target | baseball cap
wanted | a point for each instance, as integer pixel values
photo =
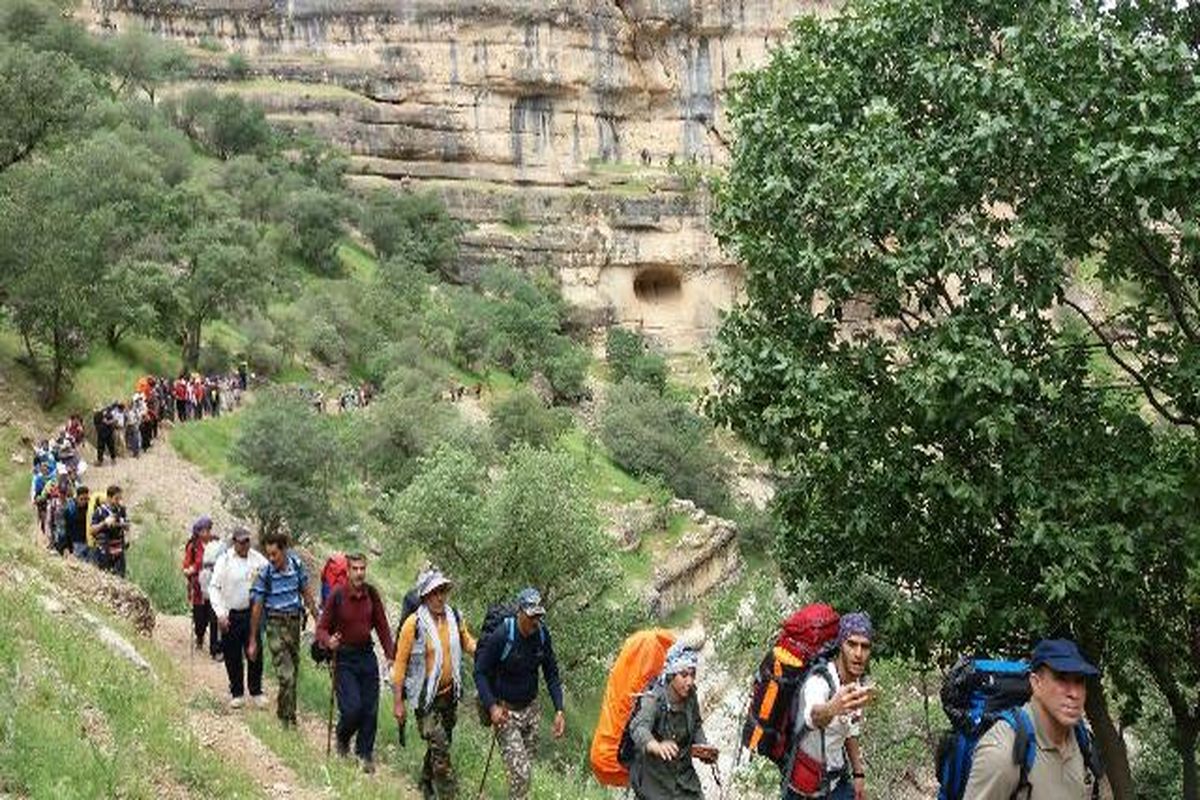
(241, 534)
(530, 601)
(1061, 655)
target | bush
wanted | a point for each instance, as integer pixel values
(214, 358)
(286, 466)
(315, 218)
(521, 418)
(567, 370)
(238, 66)
(649, 435)
(416, 226)
(629, 356)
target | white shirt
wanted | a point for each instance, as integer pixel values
(208, 560)
(816, 693)
(231, 581)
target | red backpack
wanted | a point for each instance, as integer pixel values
(335, 573)
(804, 638)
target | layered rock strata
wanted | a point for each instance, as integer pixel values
(569, 134)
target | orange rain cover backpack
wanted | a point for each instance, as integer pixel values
(641, 659)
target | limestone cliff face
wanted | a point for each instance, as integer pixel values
(563, 131)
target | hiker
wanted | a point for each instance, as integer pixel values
(109, 526)
(665, 729)
(75, 523)
(39, 497)
(347, 618)
(102, 421)
(203, 618)
(428, 671)
(229, 594)
(506, 678)
(833, 698)
(1058, 676)
(280, 593)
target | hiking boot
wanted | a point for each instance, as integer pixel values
(368, 766)
(343, 749)
(260, 700)
(237, 702)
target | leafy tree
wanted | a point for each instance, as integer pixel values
(630, 356)
(143, 62)
(651, 435)
(44, 95)
(1008, 191)
(133, 292)
(414, 226)
(63, 221)
(315, 218)
(521, 419)
(225, 125)
(286, 466)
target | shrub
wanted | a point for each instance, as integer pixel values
(629, 356)
(416, 226)
(521, 418)
(214, 358)
(238, 66)
(649, 434)
(315, 218)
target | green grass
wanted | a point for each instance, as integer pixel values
(609, 482)
(153, 562)
(360, 264)
(79, 722)
(208, 442)
(110, 374)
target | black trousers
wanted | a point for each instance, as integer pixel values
(357, 686)
(105, 442)
(203, 619)
(234, 647)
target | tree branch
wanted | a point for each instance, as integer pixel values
(1140, 379)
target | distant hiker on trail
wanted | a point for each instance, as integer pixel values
(1058, 677)
(506, 676)
(134, 415)
(667, 733)
(229, 593)
(347, 620)
(281, 592)
(39, 495)
(203, 618)
(75, 521)
(428, 671)
(243, 373)
(102, 421)
(832, 698)
(109, 526)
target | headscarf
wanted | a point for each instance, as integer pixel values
(201, 524)
(855, 624)
(680, 658)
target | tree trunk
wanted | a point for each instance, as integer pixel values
(1186, 735)
(191, 347)
(1111, 745)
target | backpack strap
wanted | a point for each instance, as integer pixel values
(1024, 749)
(1091, 756)
(510, 638)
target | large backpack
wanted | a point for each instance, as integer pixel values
(978, 693)
(501, 615)
(804, 640)
(335, 573)
(638, 664)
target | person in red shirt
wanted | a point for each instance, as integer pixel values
(193, 562)
(347, 619)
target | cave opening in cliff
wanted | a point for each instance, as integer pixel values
(657, 284)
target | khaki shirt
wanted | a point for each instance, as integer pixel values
(1056, 774)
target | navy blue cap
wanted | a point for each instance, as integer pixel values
(1061, 655)
(530, 601)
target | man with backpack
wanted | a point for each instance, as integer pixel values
(428, 671)
(832, 699)
(109, 526)
(229, 593)
(280, 593)
(667, 733)
(506, 676)
(347, 619)
(75, 516)
(1060, 764)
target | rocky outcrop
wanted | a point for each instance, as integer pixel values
(569, 134)
(704, 559)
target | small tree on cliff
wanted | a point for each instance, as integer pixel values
(1013, 192)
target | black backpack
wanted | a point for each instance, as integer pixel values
(497, 615)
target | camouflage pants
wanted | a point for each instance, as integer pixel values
(437, 729)
(518, 740)
(283, 637)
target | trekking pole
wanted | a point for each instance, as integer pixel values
(332, 684)
(487, 765)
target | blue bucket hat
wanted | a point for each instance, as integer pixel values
(1061, 655)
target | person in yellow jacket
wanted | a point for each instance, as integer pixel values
(428, 672)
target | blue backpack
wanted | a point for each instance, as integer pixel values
(978, 693)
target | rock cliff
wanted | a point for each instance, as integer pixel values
(570, 134)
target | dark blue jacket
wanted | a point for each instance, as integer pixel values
(514, 680)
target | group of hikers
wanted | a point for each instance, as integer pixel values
(1018, 727)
